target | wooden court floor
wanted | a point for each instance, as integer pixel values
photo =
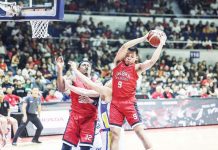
(191, 138)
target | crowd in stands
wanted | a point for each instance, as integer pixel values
(198, 36)
(179, 78)
(201, 8)
(119, 6)
(152, 7)
(27, 62)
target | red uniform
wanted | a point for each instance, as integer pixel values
(12, 99)
(123, 103)
(82, 121)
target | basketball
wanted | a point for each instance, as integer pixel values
(154, 38)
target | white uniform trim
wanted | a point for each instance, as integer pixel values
(137, 124)
(65, 142)
(114, 126)
(83, 144)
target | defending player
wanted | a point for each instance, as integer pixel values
(104, 105)
(84, 98)
(83, 117)
(125, 75)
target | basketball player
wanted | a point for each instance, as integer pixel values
(82, 122)
(84, 98)
(104, 104)
(125, 75)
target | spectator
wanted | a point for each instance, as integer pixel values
(3, 51)
(11, 98)
(3, 65)
(158, 94)
(204, 92)
(6, 83)
(207, 44)
(19, 76)
(39, 84)
(167, 93)
(19, 90)
(51, 97)
(28, 85)
(14, 62)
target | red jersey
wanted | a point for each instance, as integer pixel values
(82, 109)
(12, 99)
(124, 81)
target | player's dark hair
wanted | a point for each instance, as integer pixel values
(134, 49)
(83, 62)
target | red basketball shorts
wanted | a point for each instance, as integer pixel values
(119, 110)
(80, 129)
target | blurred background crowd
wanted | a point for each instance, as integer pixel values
(27, 62)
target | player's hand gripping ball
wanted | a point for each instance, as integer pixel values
(155, 37)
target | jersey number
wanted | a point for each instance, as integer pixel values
(120, 84)
(88, 137)
(135, 116)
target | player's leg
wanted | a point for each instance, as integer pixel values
(115, 137)
(97, 145)
(134, 119)
(87, 132)
(106, 139)
(140, 132)
(70, 138)
(116, 122)
(14, 124)
(3, 129)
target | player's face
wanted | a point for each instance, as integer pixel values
(130, 58)
(85, 68)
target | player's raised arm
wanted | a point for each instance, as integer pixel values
(124, 48)
(60, 80)
(94, 86)
(80, 91)
(149, 63)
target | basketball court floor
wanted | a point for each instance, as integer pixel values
(189, 138)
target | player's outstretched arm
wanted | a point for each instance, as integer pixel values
(124, 48)
(94, 86)
(149, 63)
(60, 80)
(81, 91)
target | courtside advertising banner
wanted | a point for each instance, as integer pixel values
(54, 122)
(178, 113)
